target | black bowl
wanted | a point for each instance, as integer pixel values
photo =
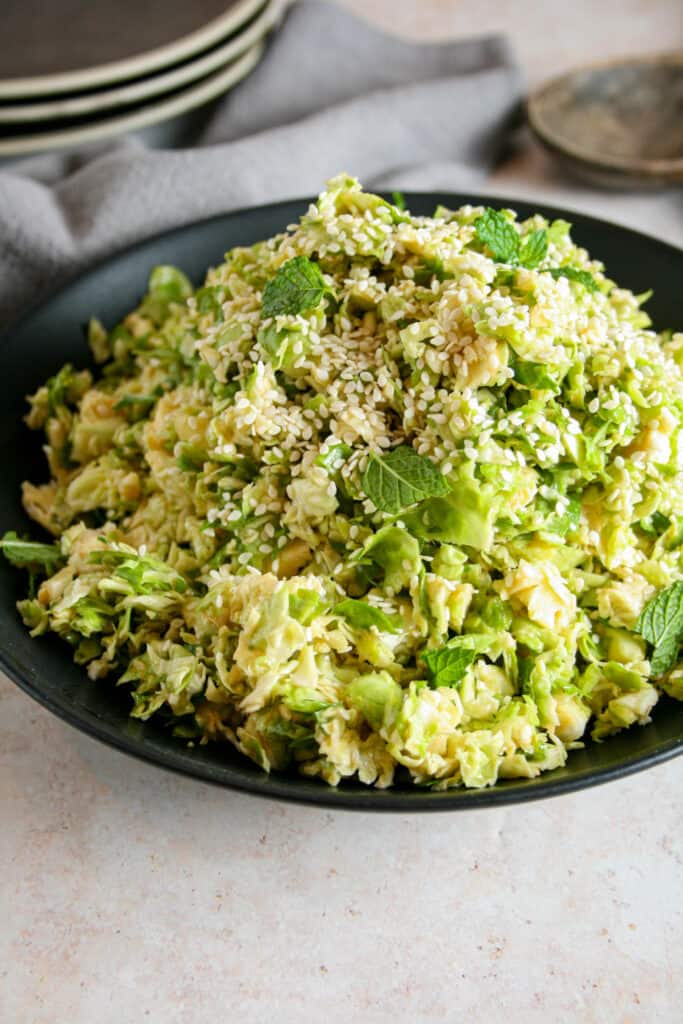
(43, 667)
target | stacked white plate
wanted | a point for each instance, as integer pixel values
(74, 72)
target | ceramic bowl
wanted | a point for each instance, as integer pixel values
(617, 124)
(43, 666)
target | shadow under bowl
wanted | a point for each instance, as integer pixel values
(618, 124)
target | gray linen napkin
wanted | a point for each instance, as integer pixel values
(331, 94)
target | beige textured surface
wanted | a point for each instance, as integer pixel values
(130, 895)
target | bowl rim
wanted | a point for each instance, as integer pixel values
(277, 786)
(284, 787)
(649, 168)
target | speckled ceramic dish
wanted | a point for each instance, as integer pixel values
(618, 124)
(49, 48)
(81, 132)
(123, 95)
(42, 667)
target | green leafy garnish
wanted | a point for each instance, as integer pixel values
(661, 624)
(534, 248)
(401, 478)
(504, 243)
(399, 200)
(29, 554)
(297, 286)
(447, 665)
(361, 615)
(582, 277)
(499, 236)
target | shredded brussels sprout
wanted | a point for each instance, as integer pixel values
(386, 493)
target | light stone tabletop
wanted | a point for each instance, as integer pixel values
(130, 895)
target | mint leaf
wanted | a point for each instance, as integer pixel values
(401, 478)
(534, 248)
(297, 286)
(661, 624)
(447, 665)
(499, 236)
(361, 615)
(28, 554)
(574, 274)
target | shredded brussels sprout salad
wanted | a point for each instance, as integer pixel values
(386, 494)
